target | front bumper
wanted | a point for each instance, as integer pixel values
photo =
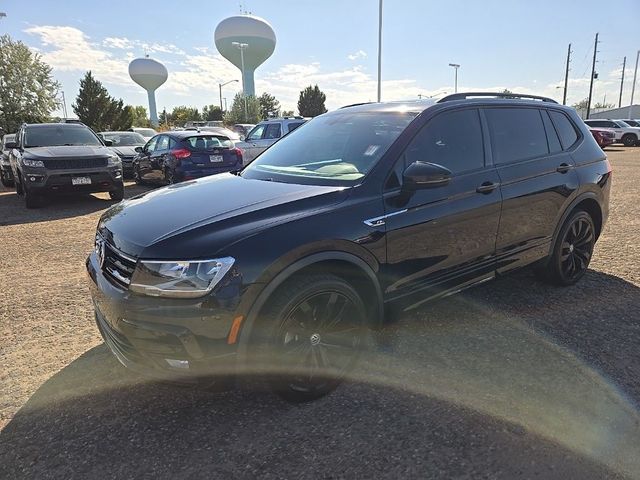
(177, 339)
(40, 180)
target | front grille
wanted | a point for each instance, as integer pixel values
(116, 267)
(69, 163)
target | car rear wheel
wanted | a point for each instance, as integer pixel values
(169, 176)
(136, 176)
(629, 140)
(6, 180)
(572, 251)
(117, 194)
(311, 336)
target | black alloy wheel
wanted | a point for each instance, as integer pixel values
(318, 333)
(629, 140)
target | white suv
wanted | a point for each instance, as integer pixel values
(265, 134)
(624, 132)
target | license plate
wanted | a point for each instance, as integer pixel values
(215, 158)
(81, 181)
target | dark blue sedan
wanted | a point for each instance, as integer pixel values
(172, 157)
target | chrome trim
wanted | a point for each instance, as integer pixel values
(380, 221)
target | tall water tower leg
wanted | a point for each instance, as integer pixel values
(153, 113)
(249, 85)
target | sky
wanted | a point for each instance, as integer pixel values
(519, 44)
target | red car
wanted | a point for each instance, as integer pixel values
(603, 137)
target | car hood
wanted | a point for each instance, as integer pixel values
(222, 207)
(78, 151)
(125, 151)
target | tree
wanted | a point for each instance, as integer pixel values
(184, 114)
(311, 102)
(140, 117)
(604, 105)
(287, 113)
(236, 113)
(211, 112)
(269, 106)
(27, 90)
(581, 105)
(99, 110)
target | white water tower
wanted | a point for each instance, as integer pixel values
(150, 75)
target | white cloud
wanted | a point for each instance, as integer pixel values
(116, 42)
(357, 55)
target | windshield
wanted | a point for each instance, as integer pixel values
(8, 138)
(57, 135)
(125, 139)
(330, 150)
(147, 132)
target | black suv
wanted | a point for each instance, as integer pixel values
(282, 268)
(62, 157)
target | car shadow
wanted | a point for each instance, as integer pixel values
(512, 379)
(56, 207)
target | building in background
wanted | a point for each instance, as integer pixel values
(632, 112)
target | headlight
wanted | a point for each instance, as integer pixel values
(33, 163)
(179, 279)
(114, 160)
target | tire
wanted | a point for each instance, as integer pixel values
(118, 194)
(629, 140)
(18, 182)
(7, 182)
(572, 251)
(31, 200)
(310, 337)
(169, 177)
(136, 176)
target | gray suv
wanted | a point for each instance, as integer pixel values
(265, 134)
(48, 158)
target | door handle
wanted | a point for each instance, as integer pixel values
(564, 168)
(487, 187)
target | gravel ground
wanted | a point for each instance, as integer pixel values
(513, 379)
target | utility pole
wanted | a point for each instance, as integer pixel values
(566, 76)
(624, 65)
(633, 88)
(593, 74)
(380, 51)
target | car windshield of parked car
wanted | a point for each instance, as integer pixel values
(147, 132)
(8, 139)
(330, 150)
(125, 139)
(208, 142)
(58, 135)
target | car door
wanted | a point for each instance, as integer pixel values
(442, 238)
(144, 159)
(251, 145)
(158, 157)
(537, 180)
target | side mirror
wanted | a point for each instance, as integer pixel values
(138, 149)
(420, 175)
(10, 145)
(108, 143)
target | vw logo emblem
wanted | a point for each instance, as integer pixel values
(100, 250)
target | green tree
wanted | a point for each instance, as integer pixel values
(269, 106)
(183, 114)
(311, 102)
(604, 105)
(140, 117)
(287, 113)
(99, 110)
(27, 90)
(211, 112)
(581, 105)
(236, 113)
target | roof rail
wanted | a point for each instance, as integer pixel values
(464, 96)
(356, 104)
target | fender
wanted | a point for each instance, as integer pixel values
(581, 197)
(280, 278)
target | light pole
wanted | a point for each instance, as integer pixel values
(633, 87)
(380, 51)
(220, 85)
(242, 47)
(455, 66)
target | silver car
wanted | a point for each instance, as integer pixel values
(265, 134)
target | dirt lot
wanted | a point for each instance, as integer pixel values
(511, 379)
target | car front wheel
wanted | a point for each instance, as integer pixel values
(7, 181)
(629, 140)
(311, 336)
(117, 194)
(30, 199)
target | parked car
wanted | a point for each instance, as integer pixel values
(176, 156)
(282, 269)
(146, 133)
(266, 133)
(123, 144)
(243, 129)
(6, 175)
(603, 137)
(625, 134)
(47, 158)
(632, 123)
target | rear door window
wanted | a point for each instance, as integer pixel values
(292, 126)
(516, 134)
(565, 128)
(272, 131)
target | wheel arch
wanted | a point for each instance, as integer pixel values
(588, 202)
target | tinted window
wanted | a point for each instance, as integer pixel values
(552, 135)
(452, 139)
(163, 143)
(632, 123)
(565, 128)
(516, 134)
(256, 133)
(292, 126)
(272, 131)
(55, 135)
(208, 142)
